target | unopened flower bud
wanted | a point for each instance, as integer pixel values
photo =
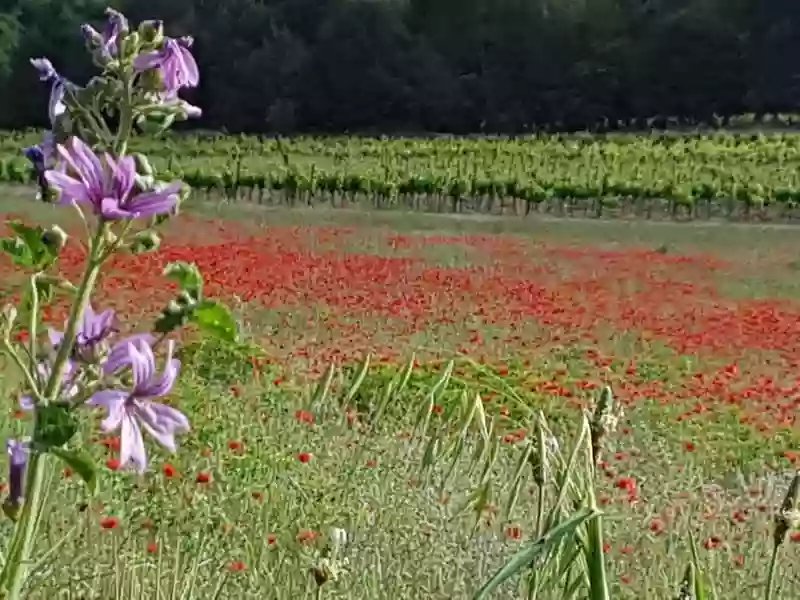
(109, 237)
(143, 166)
(17, 465)
(145, 241)
(92, 37)
(151, 32)
(186, 300)
(9, 317)
(117, 22)
(173, 308)
(55, 238)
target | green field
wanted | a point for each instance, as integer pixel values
(694, 328)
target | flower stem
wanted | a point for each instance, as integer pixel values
(773, 563)
(13, 575)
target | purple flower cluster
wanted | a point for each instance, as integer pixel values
(131, 409)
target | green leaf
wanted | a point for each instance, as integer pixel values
(187, 275)
(55, 426)
(216, 320)
(80, 462)
(29, 248)
(169, 321)
(526, 557)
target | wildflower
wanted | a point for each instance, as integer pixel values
(69, 388)
(175, 62)
(93, 333)
(237, 567)
(107, 42)
(657, 526)
(306, 536)
(109, 523)
(203, 477)
(170, 471)
(113, 464)
(514, 532)
(152, 548)
(272, 539)
(132, 409)
(17, 464)
(305, 457)
(58, 87)
(108, 189)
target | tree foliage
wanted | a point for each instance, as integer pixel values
(442, 65)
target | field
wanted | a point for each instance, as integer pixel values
(696, 328)
(720, 177)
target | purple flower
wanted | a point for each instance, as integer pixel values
(93, 333)
(108, 189)
(176, 63)
(132, 410)
(108, 41)
(18, 462)
(69, 389)
(58, 87)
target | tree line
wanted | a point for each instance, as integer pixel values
(460, 66)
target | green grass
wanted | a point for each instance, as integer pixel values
(415, 527)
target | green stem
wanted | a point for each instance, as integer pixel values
(34, 323)
(125, 119)
(773, 564)
(18, 557)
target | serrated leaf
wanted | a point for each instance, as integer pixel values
(215, 319)
(55, 426)
(187, 275)
(80, 462)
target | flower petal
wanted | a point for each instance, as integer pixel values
(152, 203)
(87, 165)
(132, 444)
(143, 364)
(70, 188)
(114, 402)
(123, 177)
(151, 60)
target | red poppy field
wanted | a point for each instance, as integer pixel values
(696, 330)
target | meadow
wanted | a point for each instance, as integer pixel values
(370, 335)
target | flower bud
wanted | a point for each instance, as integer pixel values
(17, 465)
(143, 166)
(55, 238)
(91, 36)
(109, 237)
(145, 241)
(9, 316)
(117, 22)
(151, 32)
(186, 300)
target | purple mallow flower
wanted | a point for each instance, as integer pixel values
(107, 188)
(176, 63)
(58, 87)
(18, 462)
(132, 410)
